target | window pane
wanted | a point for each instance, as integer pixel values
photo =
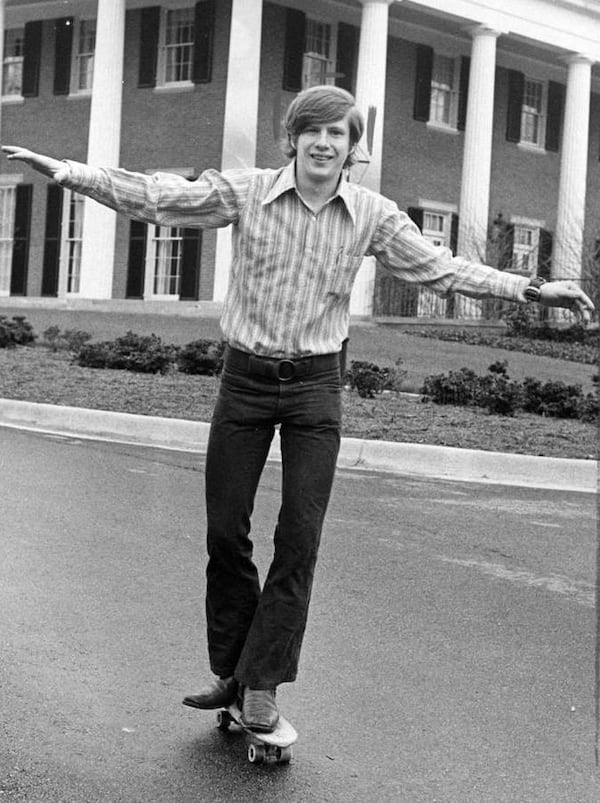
(531, 113)
(85, 54)
(318, 67)
(179, 44)
(7, 211)
(168, 246)
(73, 242)
(12, 68)
(442, 90)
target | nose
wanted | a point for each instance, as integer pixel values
(322, 139)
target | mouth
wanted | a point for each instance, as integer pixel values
(321, 157)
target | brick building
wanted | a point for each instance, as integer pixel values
(483, 122)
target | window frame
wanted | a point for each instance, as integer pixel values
(161, 54)
(542, 115)
(328, 75)
(76, 55)
(71, 244)
(13, 97)
(453, 92)
(155, 236)
(7, 238)
(531, 251)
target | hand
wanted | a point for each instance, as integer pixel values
(568, 294)
(43, 164)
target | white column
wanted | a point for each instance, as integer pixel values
(568, 245)
(370, 99)
(240, 129)
(477, 158)
(104, 140)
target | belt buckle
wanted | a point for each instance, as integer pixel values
(289, 370)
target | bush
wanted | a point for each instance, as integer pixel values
(69, 340)
(496, 393)
(202, 357)
(143, 354)
(15, 332)
(369, 379)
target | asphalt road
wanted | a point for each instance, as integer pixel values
(449, 655)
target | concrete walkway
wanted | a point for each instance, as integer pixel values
(401, 458)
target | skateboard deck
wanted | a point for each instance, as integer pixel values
(275, 747)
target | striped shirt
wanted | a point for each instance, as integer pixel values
(292, 270)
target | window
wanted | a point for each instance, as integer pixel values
(164, 261)
(525, 249)
(12, 68)
(437, 229)
(72, 240)
(83, 63)
(176, 52)
(532, 117)
(444, 93)
(7, 222)
(318, 64)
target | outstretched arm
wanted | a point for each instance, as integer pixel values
(43, 164)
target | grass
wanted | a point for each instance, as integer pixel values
(38, 375)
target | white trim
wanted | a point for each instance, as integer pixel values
(437, 206)
(532, 223)
(11, 179)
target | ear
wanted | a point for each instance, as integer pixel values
(293, 141)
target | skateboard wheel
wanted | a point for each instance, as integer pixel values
(285, 755)
(223, 720)
(256, 753)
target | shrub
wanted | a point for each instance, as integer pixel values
(143, 354)
(498, 394)
(69, 340)
(369, 379)
(202, 357)
(15, 332)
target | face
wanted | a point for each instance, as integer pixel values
(321, 151)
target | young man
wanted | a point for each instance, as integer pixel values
(299, 235)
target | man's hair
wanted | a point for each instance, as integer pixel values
(322, 104)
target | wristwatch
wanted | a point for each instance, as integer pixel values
(532, 291)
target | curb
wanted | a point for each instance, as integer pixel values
(420, 460)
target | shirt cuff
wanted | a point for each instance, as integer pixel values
(75, 175)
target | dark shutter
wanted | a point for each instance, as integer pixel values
(190, 264)
(424, 71)
(295, 26)
(149, 27)
(463, 92)
(32, 55)
(20, 254)
(203, 41)
(136, 260)
(556, 102)
(63, 45)
(454, 233)
(544, 268)
(415, 213)
(50, 267)
(347, 56)
(516, 88)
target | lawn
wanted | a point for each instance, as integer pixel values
(38, 375)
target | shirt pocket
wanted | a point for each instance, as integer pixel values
(346, 267)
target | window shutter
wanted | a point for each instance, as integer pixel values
(295, 26)
(203, 41)
(454, 233)
(136, 260)
(347, 56)
(149, 28)
(32, 54)
(422, 100)
(51, 261)
(415, 213)
(20, 254)
(516, 88)
(556, 102)
(190, 264)
(463, 92)
(63, 45)
(545, 254)
(506, 242)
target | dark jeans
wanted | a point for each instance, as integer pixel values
(256, 634)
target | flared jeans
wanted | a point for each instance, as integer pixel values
(256, 633)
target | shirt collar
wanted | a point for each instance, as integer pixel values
(286, 181)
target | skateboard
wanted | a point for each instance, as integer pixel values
(275, 747)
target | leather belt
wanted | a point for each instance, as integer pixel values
(283, 370)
